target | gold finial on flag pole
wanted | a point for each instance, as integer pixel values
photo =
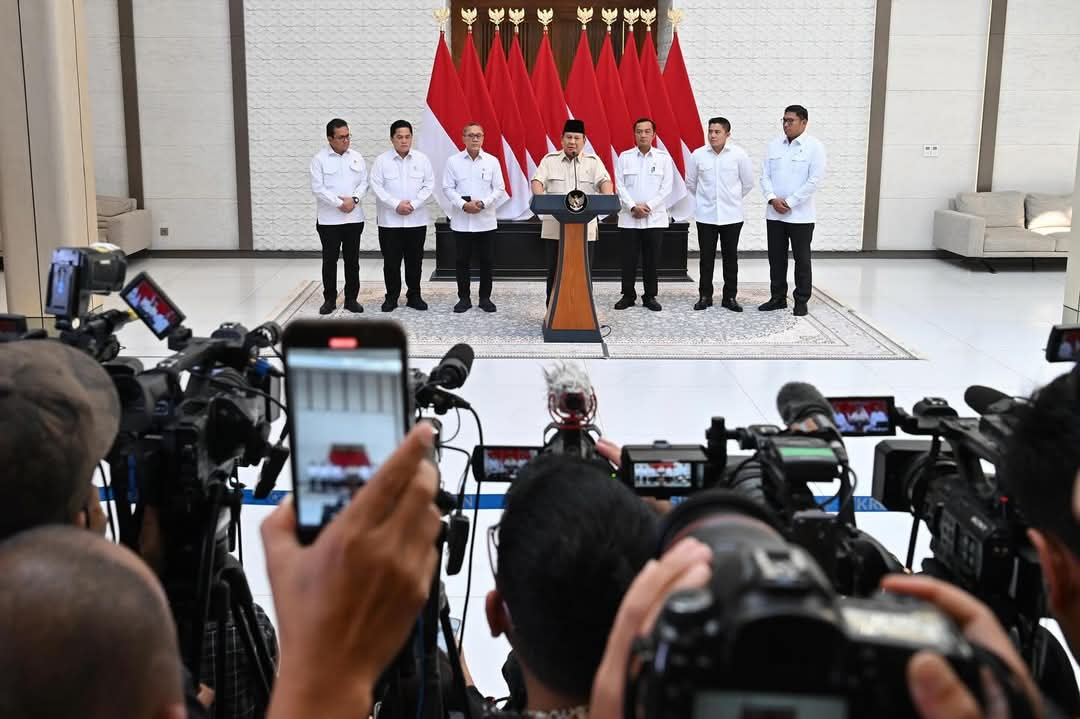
(469, 16)
(496, 16)
(441, 15)
(648, 17)
(675, 17)
(517, 17)
(610, 17)
(630, 17)
(584, 16)
(545, 17)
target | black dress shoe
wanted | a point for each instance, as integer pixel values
(624, 302)
(487, 305)
(702, 303)
(463, 305)
(800, 309)
(353, 306)
(651, 303)
(389, 305)
(776, 303)
(327, 307)
(731, 304)
(417, 303)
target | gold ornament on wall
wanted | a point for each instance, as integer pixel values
(517, 17)
(441, 15)
(630, 17)
(469, 16)
(610, 17)
(584, 16)
(648, 17)
(545, 17)
(496, 16)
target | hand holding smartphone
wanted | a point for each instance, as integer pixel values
(349, 408)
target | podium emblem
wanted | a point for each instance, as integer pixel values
(576, 201)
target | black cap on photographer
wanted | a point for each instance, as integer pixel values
(59, 415)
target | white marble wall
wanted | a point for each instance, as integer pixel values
(183, 61)
(749, 60)
(106, 98)
(937, 70)
(1039, 115)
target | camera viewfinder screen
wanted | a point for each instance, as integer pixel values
(502, 464)
(152, 306)
(760, 705)
(667, 475)
(864, 416)
(1068, 350)
(348, 416)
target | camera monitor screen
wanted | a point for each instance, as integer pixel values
(502, 464)
(761, 705)
(668, 475)
(348, 416)
(864, 416)
(1064, 344)
(152, 305)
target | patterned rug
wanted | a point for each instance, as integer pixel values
(830, 331)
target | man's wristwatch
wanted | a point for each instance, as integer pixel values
(480, 204)
(356, 200)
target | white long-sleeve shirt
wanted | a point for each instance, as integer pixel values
(395, 179)
(479, 179)
(334, 176)
(793, 171)
(719, 182)
(644, 179)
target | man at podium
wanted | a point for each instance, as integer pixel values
(560, 172)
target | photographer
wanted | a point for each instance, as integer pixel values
(61, 416)
(67, 601)
(568, 544)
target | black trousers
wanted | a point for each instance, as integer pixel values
(647, 244)
(343, 239)
(800, 235)
(397, 243)
(478, 245)
(553, 261)
(728, 235)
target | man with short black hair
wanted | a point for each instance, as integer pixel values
(719, 176)
(402, 179)
(791, 173)
(86, 629)
(339, 181)
(560, 574)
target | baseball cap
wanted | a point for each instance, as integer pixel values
(48, 388)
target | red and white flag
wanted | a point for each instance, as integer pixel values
(680, 202)
(682, 99)
(582, 97)
(620, 123)
(446, 112)
(637, 101)
(549, 94)
(501, 90)
(536, 139)
(483, 111)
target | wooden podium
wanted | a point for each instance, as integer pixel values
(571, 314)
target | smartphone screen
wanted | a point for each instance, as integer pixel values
(348, 412)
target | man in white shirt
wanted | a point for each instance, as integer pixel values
(719, 176)
(473, 186)
(643, 178)
(793, 169)
(402, 179)
(339, 181)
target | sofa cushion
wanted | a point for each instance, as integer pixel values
(1044, 210)
(999, 209)
(1062, 240)
(1016, 239)
(108, 206)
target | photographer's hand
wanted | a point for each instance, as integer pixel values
(935, 689)
(684, 566)
(346, 603)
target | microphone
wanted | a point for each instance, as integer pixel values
(267, 334)
(805, 409)
(987, 400)
(453, 369)
(271, 468)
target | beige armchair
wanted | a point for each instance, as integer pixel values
(120, 223)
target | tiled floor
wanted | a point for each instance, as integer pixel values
(973, 327)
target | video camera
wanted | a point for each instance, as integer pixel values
(769, 637)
